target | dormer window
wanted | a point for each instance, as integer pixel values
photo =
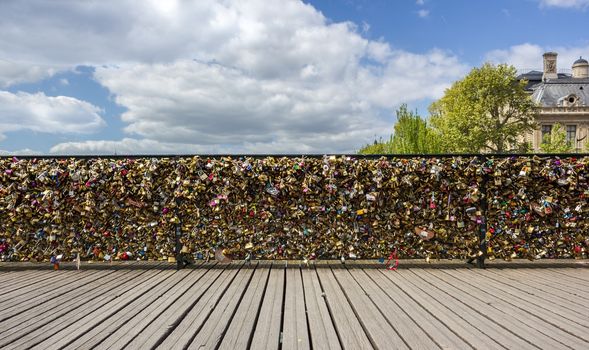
(569, 101)
(572, 99)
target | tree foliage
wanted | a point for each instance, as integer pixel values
(378, 147)
(411, 135)
(556, 141)
(487, 111)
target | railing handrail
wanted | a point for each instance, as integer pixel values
(292, 155)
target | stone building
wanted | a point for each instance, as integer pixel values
(563, 98)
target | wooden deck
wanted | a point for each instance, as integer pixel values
(273, 306)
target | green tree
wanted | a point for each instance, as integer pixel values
(487, 111)
(378, 147)
(556, 141)
(411, 135)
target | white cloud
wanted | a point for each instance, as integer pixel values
(148, 146)
(20, 152)
(423, 13)
(124, 146)
(99, 32)
(420, 2)
(309, 144)
(315, 109)
(524, 56)
(565, 3)
(21, 72)
(235, 74)
(529, 56)
(41, 113)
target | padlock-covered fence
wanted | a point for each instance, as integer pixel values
(322, 207)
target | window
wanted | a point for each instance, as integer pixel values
(572, 134)
(546, 130)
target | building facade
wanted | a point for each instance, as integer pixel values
(563, 98)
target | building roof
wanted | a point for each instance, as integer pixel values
(551, 93)
(534, 77)
(580, 61)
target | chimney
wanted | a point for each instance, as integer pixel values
(549, 66)
(581, 68)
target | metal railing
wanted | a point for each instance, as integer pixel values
(492, 175)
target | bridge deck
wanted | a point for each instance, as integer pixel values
(269, 305)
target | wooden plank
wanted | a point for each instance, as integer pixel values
(52, 320)
(21, 293)
(409, 332)
(323, 334)
(295, 334)
(267, 330)
(540, 309)
(241, 328)
(581, 273)
(130, 311)
(30, 298)
(32, 276)
(15, 275)
(18, 279)
(500, 334)
(347, 325)
(38, 283)
(41, 334)
(540, 304)
(149, 313)
(547, 277)
(444, 312)
(71, 286)
(543, 306)
(159, 327)
(34, 288)
(211, 333)
(564, 283)
(425, 321)
(51, 311)
(485, 293)
(184, 332)
(521, 301)
(545, 292)
(533, 334)
(381, 333)
(8, 275)
(96, 318)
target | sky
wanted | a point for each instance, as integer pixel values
(251, 76)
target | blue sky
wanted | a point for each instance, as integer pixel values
(251, 76)
(469, 28)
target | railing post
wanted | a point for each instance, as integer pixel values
(484, 211)
(179, 259)
(180, 263)
(178, 234)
